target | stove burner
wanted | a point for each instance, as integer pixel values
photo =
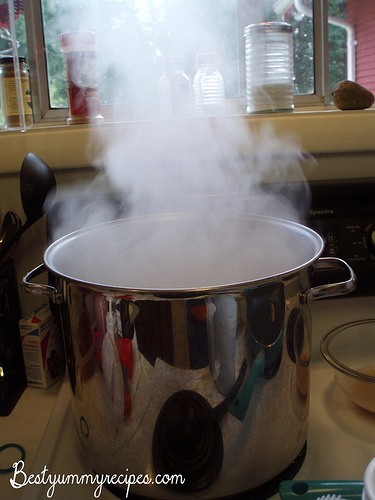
(188, 441)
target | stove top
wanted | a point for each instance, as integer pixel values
(341, 438)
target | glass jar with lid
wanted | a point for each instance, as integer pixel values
(11, 108)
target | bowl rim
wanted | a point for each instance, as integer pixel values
(332, 359)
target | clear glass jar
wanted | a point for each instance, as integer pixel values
(175, 89)
(8, 89)
(208, 86)
(269, 67)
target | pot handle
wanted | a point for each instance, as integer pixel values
(38, 288)
(332, 289)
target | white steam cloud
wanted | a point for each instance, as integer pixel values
(178, 165)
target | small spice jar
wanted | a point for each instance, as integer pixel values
(79, 48)
(8, 88)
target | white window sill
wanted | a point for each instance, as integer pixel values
(318, 132)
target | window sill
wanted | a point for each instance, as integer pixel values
(317, 131)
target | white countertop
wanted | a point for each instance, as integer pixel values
(25, 426)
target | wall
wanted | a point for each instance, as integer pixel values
(317, 131)
(361, 14)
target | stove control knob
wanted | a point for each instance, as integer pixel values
(371, 239)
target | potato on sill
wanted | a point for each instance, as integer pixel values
(348, 95)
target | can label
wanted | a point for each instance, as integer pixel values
(82, 84)
(10, 96)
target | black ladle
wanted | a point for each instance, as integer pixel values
(37, 187)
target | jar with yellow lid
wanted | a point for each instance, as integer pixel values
(8, 90)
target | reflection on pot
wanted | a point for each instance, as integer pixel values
(299, 347)
(265, 310)
(164, 363)
(266, 314)
(173, 331)
(85, 346)
(188, 440)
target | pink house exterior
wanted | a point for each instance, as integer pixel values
(361, 14)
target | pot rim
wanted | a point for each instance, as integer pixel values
(182, 292)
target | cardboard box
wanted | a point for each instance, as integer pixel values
(42, 346)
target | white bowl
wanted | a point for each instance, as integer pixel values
(369, 482)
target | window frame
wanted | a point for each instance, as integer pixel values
(39, 78)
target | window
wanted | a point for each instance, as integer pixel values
(134, 35)
(147, 30)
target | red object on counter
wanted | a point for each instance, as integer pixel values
(80, 49)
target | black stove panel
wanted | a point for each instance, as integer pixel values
(343, 213)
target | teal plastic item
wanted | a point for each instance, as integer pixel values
(240, 405)
(311, 490)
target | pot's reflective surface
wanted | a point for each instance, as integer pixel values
(189, 356)
(243, 358)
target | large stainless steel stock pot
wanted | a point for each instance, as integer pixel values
(188, 346)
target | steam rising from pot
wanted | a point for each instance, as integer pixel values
(185, 165)
(182, 165)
